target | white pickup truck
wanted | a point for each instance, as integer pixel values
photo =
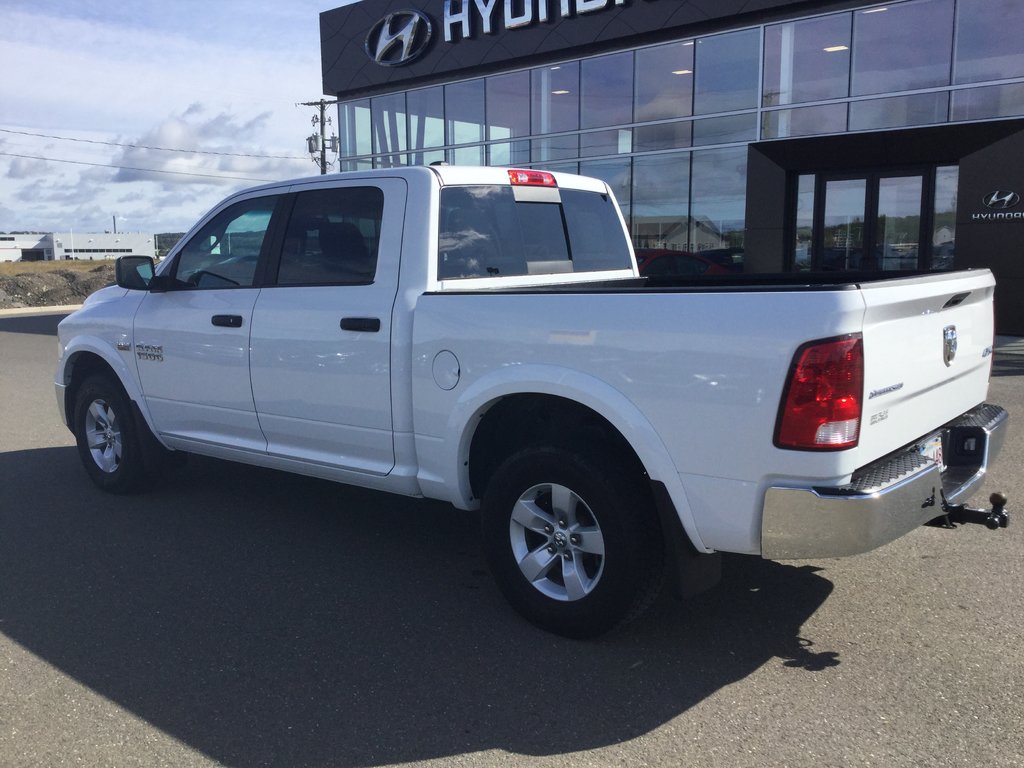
(482, 336)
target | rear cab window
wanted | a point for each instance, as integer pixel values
(333, 237)
(502, 231)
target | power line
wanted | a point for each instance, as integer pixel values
(129, 168)
(144, 146)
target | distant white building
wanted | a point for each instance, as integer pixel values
(80, 246)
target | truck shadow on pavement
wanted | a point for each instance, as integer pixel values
(266, 619)
(1009, 362)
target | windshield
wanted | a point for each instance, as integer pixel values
(485, 232)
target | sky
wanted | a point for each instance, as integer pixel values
(94, 93)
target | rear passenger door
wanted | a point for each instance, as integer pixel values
(320, 346)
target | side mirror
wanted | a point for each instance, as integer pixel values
(134, 272)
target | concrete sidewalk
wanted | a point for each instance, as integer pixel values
(20, 311)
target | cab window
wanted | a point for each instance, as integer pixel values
(224, 253)
(333, 237)
(485, 232)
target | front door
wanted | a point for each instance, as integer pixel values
(192, 341)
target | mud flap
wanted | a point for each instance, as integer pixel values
(689, 572)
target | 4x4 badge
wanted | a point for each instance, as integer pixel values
(399, 38)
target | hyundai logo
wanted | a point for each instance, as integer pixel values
(1000, 200)
(399, 38)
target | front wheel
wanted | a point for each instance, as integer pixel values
(572, 540)
(107, 436)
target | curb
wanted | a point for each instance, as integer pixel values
(22, 311)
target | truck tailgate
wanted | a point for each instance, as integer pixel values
(927, 355)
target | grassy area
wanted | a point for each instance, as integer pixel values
(8, 268)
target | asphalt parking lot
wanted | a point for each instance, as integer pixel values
(242, 617)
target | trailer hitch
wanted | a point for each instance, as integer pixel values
(993, 519)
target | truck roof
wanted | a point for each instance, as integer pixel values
(447, 175)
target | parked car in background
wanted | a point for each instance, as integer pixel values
(653, 262)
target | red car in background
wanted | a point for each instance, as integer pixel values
(664, 262)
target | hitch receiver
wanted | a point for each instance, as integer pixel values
(961, 514)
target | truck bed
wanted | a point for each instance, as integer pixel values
(704, 362)
(768, 281)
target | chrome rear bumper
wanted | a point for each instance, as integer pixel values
(884, 500)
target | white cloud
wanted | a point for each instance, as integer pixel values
(25, 168)
(80, 184)
(218, 77)
(228, 147)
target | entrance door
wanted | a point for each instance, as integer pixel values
(871, 223)
(882, 221)
(899, 236)
(840, 225)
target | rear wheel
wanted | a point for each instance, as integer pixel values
(107, 436)
(572, 540)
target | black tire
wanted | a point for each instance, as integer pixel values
(108, 437)
(584, 563)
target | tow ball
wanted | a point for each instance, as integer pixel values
(993, 519)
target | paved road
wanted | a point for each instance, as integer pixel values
(248, 618)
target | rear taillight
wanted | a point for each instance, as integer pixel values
(821, 406)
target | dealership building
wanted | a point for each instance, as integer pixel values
(776, 136)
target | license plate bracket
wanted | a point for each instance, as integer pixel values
(932, 448)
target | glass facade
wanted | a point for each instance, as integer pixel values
(807, 61)
(944, 222)
(667, 125)
(902, 47)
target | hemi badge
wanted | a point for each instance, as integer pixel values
(123, 346)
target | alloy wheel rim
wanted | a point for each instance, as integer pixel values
(557, 542)
(103, 436)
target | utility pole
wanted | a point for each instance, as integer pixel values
(319, 142)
